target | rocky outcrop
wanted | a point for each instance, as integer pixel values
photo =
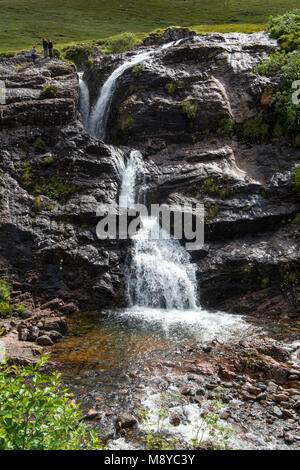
(203, 119)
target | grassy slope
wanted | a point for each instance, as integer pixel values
(23, 22)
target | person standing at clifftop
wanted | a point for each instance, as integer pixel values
(45, 47)
(50, 46)
(33, 54)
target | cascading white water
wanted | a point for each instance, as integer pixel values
(84, 101)
(129, 174)
(100, 113)
(161, 281)
(160, 274)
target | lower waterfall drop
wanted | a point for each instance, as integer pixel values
(161, 274)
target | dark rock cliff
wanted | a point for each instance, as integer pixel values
(189, 109)
(53, 175)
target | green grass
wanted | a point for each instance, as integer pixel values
(24, 23)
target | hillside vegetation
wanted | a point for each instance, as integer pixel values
(22, 24)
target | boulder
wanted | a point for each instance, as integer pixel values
(44, 340)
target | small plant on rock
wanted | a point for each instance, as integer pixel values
(48, 92)
(208, 427)
(189, 109)
(138, 71)
(5, 309)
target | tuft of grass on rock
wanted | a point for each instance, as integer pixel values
(48, 92)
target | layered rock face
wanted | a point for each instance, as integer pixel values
(53, 175)
(184, 108)
(188, 108)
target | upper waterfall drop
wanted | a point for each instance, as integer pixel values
(100, 112)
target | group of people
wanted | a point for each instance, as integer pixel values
(47, 47)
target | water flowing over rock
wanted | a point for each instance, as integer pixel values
(160, 274)
(171, 103)
(84, 101)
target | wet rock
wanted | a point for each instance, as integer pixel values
(288, 413)
(69, 308)
(23, 334)
(187, 391)
(53, 304)
(293, 372)
(54, 335)
(277, 411)
(272, 387)
(175, 419)
(261, 396)
(92, 414)
(289, 438)
(34, 333)
(44, 341)
(253, 390)
(26, 314)
(281, 397)
(125, 421)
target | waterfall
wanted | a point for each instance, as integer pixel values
(161, 274)
(84, 101)
(100, 112)
(130, 171)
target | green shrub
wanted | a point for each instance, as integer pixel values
(78, 54)
(126, 123)
(170, 88)
(48, 92)
(212, 212)
(48, 160)
(121, 43)
(38, 205)
(4, 291)
(226, 127)
(286, 65)
(26, 175)
(137, 71)
(20, 308)
(265, 282)
(255, 127)
(189, 109)
(55, 189)
(296, 219)
(5, 311)
(209, 187)
(290, 42)
(36, 413)
(284, 24)
(39, 144)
